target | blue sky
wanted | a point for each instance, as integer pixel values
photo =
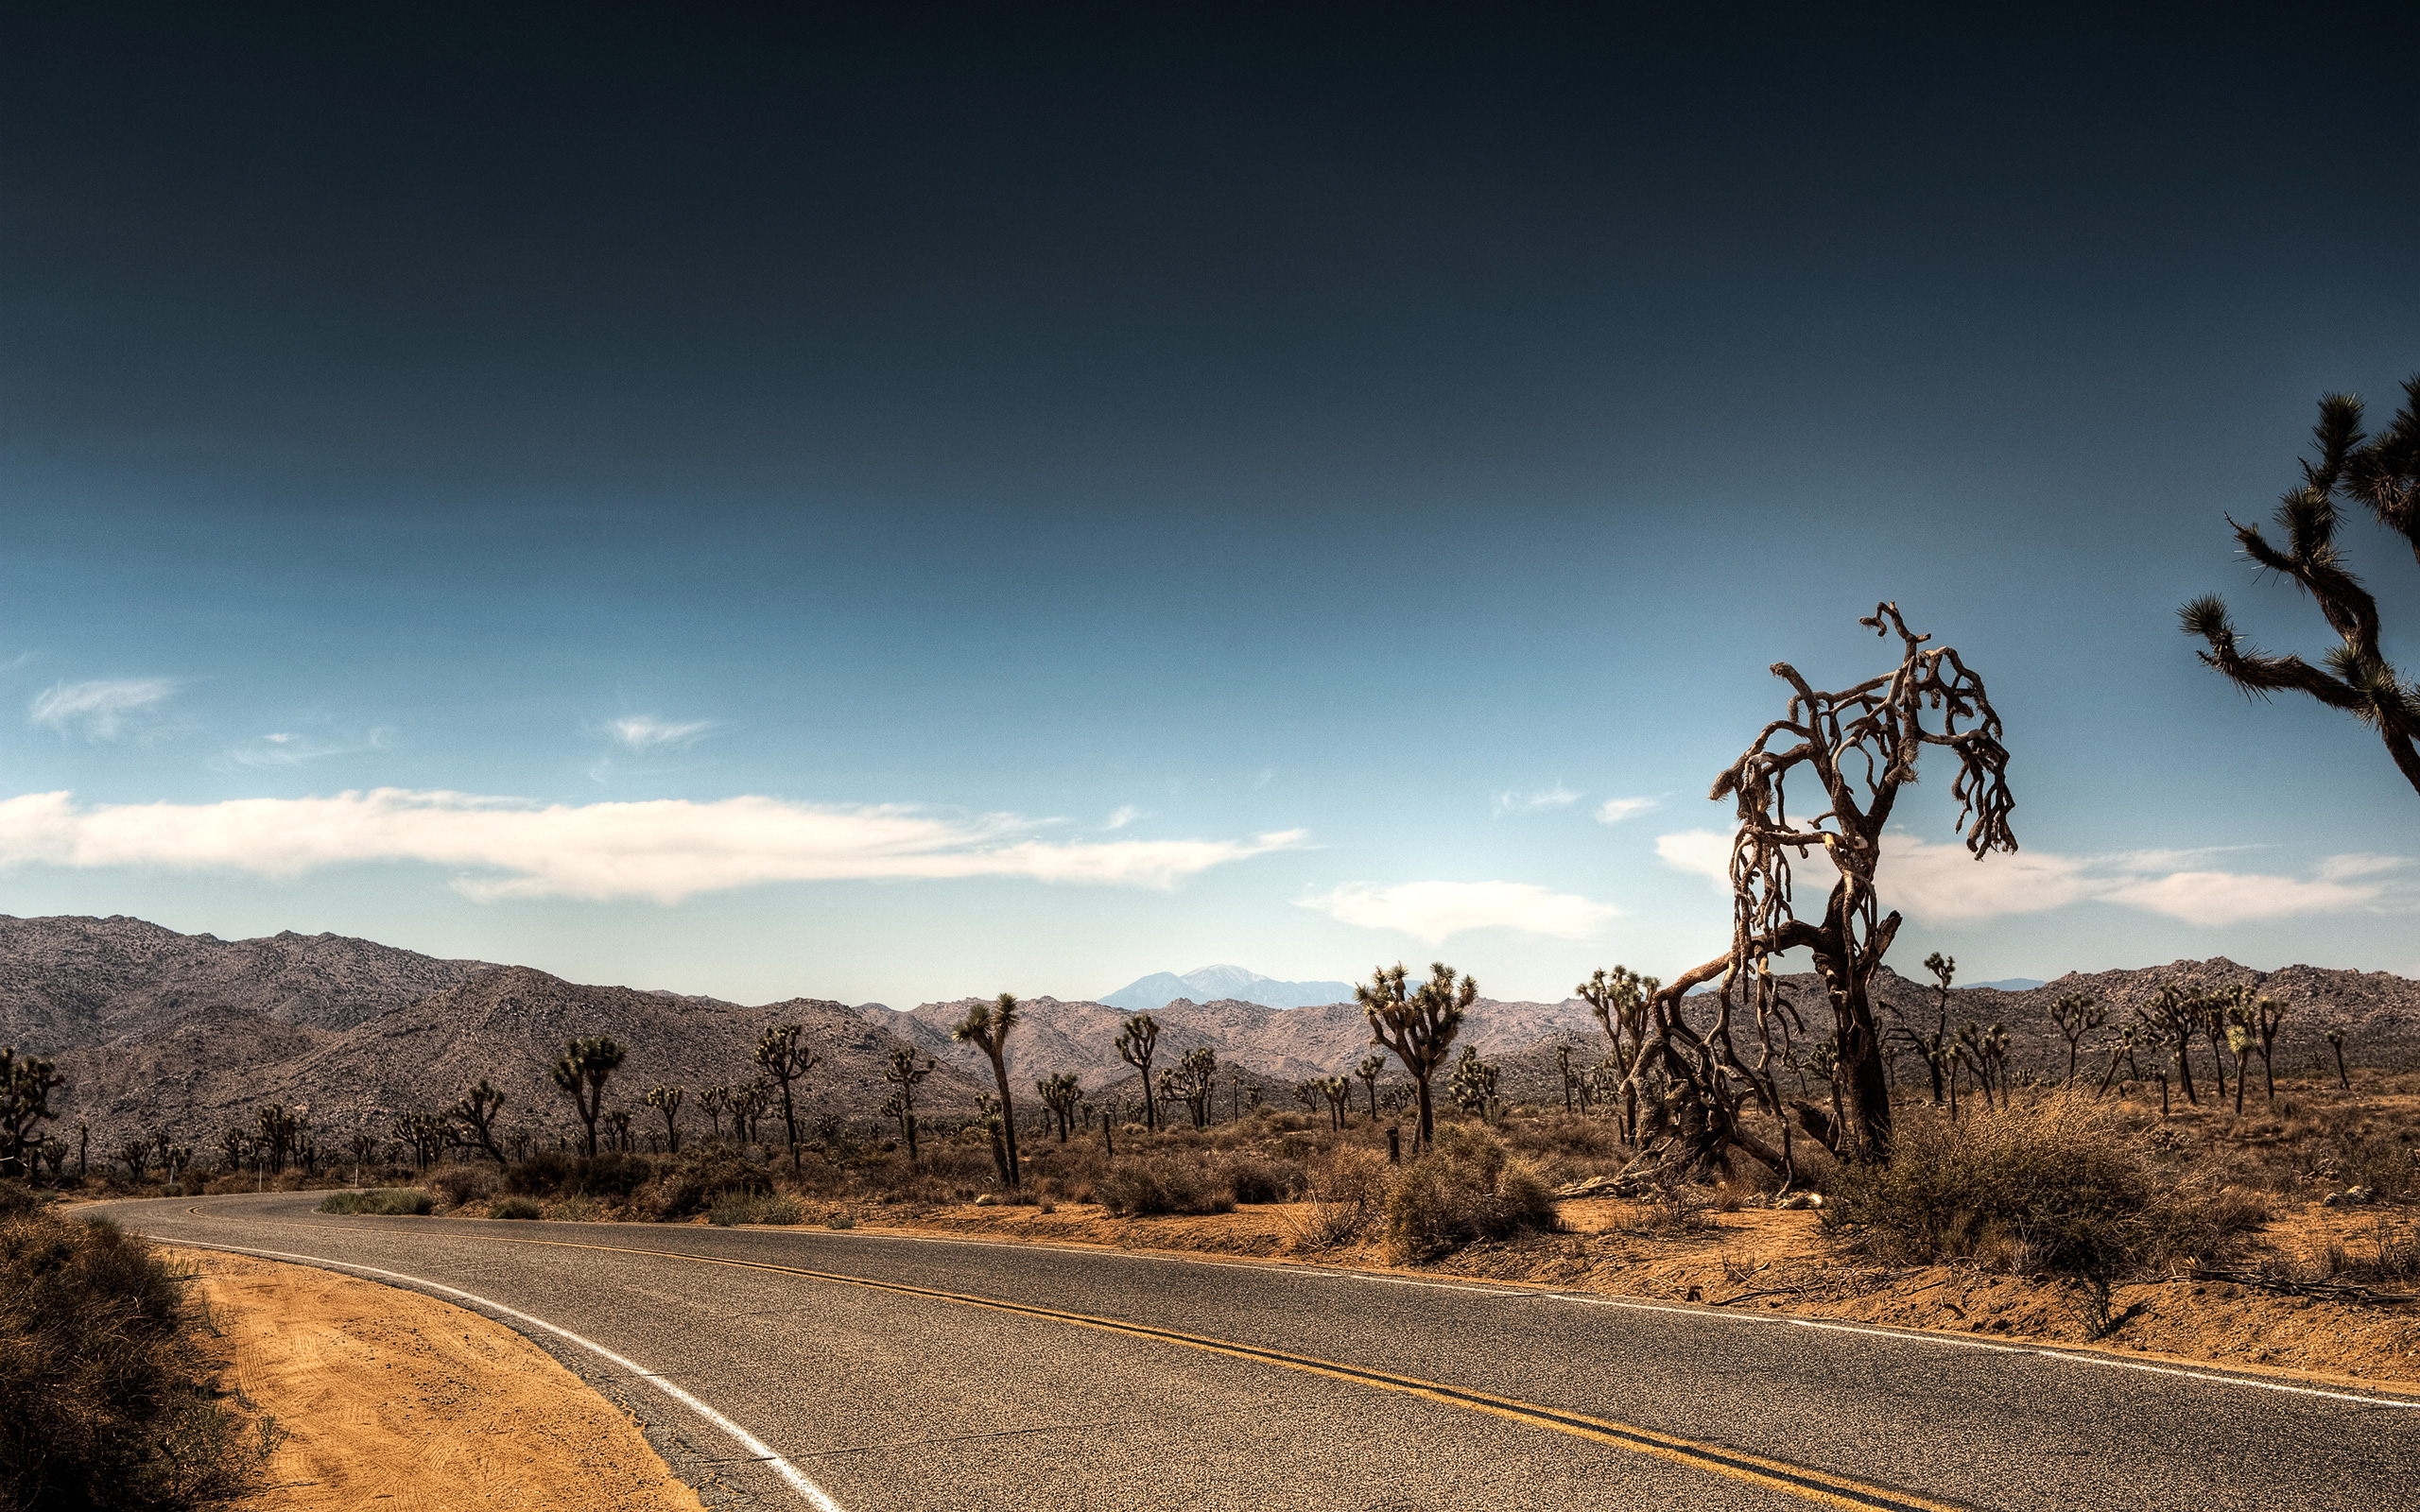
(995, 505)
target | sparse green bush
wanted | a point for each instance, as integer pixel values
(106, 1400)
(514, 1208)
(841, 1220)
(1162, 1184)
(1466, 1187)
(403, 1202)
(2058, 1184)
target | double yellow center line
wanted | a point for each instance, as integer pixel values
(1821, 1487)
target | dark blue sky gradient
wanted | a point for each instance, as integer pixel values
(980, 410)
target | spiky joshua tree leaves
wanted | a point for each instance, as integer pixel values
(667, 1101)
(477, 1109)
(904, 1075)
(26, 1086)
(1060, 1093)
(786, 1060)
(1419, 1024)
(1857, 747)
(2383, 475)
(1136, 1039)
(986, 1027)
(580, 1074)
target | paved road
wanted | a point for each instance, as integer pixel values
(889, 1373)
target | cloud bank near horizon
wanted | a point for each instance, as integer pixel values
(1942, 883)
(664, 850)
(1432, 911)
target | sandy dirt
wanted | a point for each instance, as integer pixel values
(1629, 1249)
(387, 1397)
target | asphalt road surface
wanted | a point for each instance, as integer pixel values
(859, 1371)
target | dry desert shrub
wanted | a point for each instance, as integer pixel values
(458, 1186)
(408, 1202)
(1346, 1196)
(1466, 1187)
(1158, 1184)
(107, 1399)
(2059, 1184)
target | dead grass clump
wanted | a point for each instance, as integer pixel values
(1346, 1195)
(458, 1186)
(1466, 1188)
(1156, 1185)
(697, 1178)
(2057, 1185)
(107, 1399)
(394, 1202)
(1260, 1178)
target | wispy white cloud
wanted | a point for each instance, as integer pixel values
(646, 732)
(1703, 852)
(1124, 815)
(284, 748)
(101, 710)
(1557, 797)
(1431, 911)
(1615, 809)
(666, 850)
(1942, 882)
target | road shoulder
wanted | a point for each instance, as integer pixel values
(388, 1397)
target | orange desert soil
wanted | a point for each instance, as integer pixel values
(1618, 1248)
(388, 1396)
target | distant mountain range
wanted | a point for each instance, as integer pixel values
(1213, 984)
(185, 1034)
(2011, 983)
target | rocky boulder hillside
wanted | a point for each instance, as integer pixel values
(212, 1068)
(72, 983)
(1283, 1044)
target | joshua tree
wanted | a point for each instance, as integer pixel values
(1306, 1094)
(1339, 1090)
(2077, 1014)
(2336, 1042)
(363, 1144)
(2268, 1017)
(1059, 1091)
(904, 1074)
(786, 1060)
(619, 1122)
(580, 1074)
(2130, 1038)
(278, 1129)
(1473, 1088)
(428, 1134)
(234, 1149)
(667, 1101)
(1619, 1001)
(479, 1107)
(26, 1087)
(1570, 1078)
(1196, 1078)
(711, 1099)
(136, 1155)
(1987, 1049)
(2170, 1021)
(1136, 1039)
(986, 1027)
(1860, 747)
(2382, 474)
(1370, 1068)
(1418, 1024)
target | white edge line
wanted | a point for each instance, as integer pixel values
(757, 1446)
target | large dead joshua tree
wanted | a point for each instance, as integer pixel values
(1857, 747)
(2382, 473)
